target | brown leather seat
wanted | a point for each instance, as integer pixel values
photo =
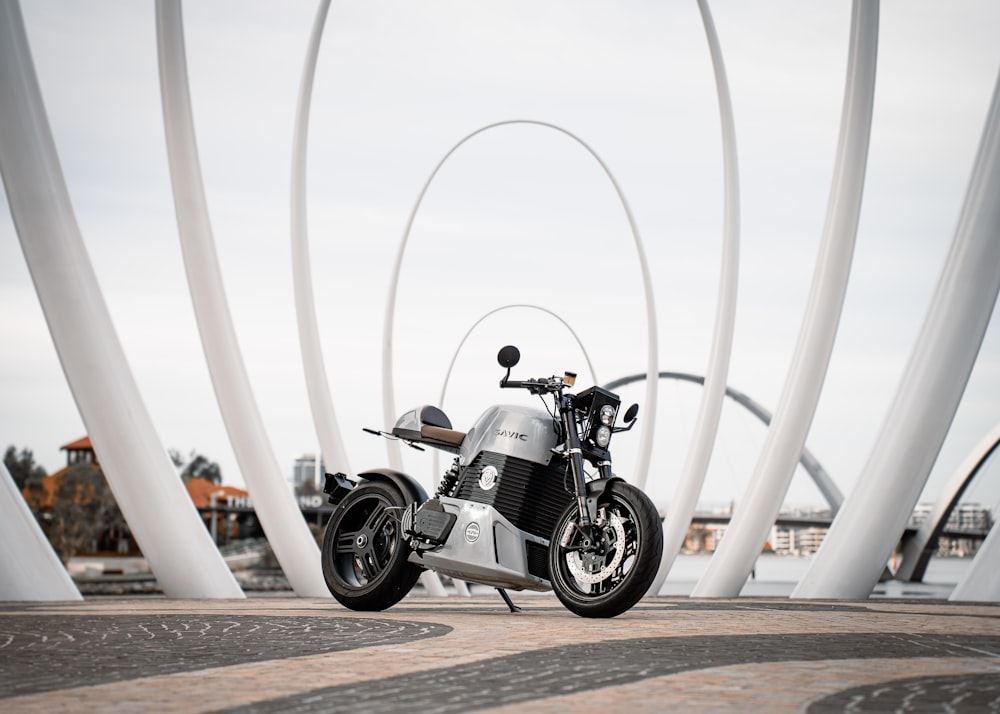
(440, 434)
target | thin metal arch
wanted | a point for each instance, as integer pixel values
(447, 376)
(288, 534)
(388, 387)
(809, 462)
(318, 385)
(918, 548)
(706, 426)
(451, 365)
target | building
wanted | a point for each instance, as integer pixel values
(307, 476)
(225, 510)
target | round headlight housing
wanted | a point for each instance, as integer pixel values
(603, 436)
(607, 415)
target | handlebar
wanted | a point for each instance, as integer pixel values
(535, 386)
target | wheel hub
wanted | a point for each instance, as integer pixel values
(593, 565)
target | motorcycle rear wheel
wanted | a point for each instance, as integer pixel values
(606, 572)
(364, 557)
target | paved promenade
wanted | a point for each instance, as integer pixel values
(462, 654)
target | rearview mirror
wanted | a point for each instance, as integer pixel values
(509, 356)
(631, 413)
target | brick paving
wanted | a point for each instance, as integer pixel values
(469, 654)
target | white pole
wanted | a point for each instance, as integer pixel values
(29, 568)
(279, 514)
(861, 539)
(731, 565)
(152, 498)
(685, 499)
(317, 384)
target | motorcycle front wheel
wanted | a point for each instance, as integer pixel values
(364, 557)
(604, 571)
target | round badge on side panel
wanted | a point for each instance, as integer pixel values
(472, 532)
(488, 478)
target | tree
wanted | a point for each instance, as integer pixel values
(85, 515)
(23, 468)
(196, 466)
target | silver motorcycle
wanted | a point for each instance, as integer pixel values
(529, 503)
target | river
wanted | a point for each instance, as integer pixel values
(777, 575)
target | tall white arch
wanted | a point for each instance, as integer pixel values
(706, 427)
(388, 386)
(317, 385)
(982, 582)
(29, 568)
(731, 565)
(861, 539)
(286, 529)
(918, 549)
(153, 500)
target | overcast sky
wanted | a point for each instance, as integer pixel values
(520, 214)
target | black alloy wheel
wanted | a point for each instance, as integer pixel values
(606, 569)
(364, 557)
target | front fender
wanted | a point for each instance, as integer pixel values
(596, 489)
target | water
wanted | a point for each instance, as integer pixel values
(777, 576)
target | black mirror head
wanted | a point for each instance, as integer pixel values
(631, 413)
(509, 356)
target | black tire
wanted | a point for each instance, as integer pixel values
(609, 574)
(364, 558)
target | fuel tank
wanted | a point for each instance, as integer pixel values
(512, 430)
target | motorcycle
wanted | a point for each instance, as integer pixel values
(516, 510)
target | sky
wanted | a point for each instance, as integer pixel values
(518, 215)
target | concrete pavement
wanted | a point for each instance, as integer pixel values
(285, 654)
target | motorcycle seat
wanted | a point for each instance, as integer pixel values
(435, 428)
(438, 434)
(429, 425)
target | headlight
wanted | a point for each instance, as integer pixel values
(607, 415)
(603, 435)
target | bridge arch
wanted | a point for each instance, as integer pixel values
(809, 462)
(388, 387)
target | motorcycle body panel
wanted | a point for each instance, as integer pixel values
(512, 430)
(484, 547)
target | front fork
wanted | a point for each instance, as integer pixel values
(587, 506)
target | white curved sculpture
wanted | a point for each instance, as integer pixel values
(274, 503)
(861, 539)
(699, 454)
(153, 500)
(731, 565)
(982, 582)
(317, 385)
(918, 549)
(388, 387)
(29, 568)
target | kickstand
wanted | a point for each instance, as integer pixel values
(506, 599)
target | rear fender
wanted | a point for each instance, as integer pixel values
(412, 491)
